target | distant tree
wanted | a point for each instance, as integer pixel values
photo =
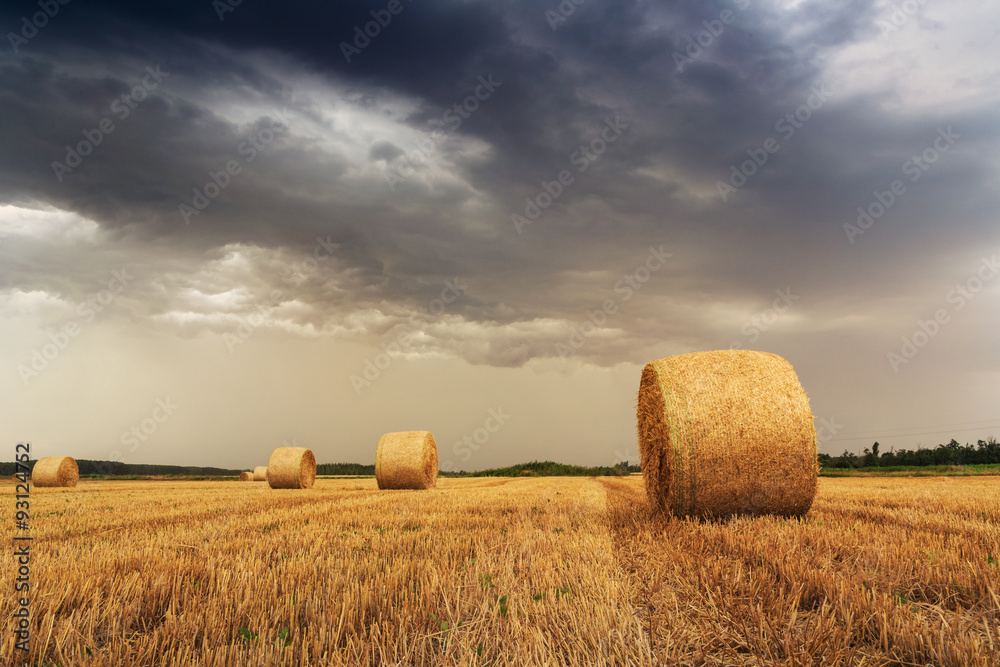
(851, 460)
(888, 458)
(870, 458)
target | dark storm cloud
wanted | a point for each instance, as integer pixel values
(683, 128)
(425, 46)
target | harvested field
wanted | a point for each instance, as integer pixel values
(523, 571)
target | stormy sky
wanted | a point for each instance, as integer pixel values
(225, 226)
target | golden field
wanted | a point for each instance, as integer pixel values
(487, 571)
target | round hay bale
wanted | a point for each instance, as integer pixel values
(406, 460)
(246, 476)
(726, 433)
(55, 471)
(291, 468)
(260, 474)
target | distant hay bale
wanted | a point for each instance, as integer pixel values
(726, 433)
(260, 474)
(406, 460)
(246, 476)
(55, 471)
(291, 468)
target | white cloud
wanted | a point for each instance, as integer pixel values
(46, 223)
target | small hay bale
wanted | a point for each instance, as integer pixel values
(291, 468)
(726, 433)
(406, 460)
(246, 476)
(260, 474)
(55, 471)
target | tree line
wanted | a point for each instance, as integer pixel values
(345, 469)
(952, 453)
(117, 468)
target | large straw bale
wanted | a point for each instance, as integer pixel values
(246, 476)
(726, 433)
(260, 474)
(291, 468)
(406, 460)
(55, 471)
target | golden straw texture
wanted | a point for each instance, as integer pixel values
(406, 460)
(246, 476)
(291, 468)
(55, 471)
(260, 474)
(726, 433)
